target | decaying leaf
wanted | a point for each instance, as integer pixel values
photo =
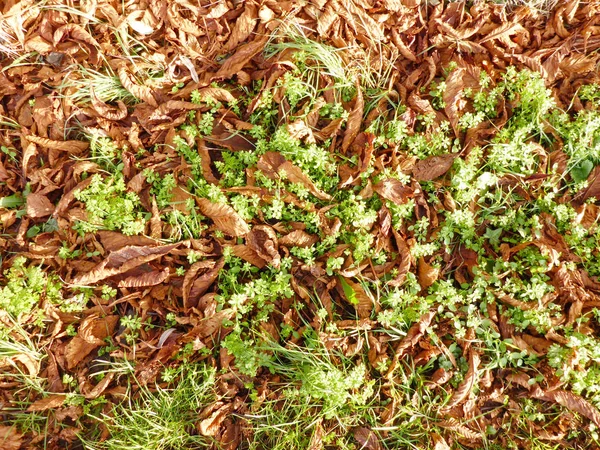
(367, 439)
(121, 261)
(298, 238)
(38, 206)
(466, 386)
(241, 57)
(91, 334)
(263, 240)
(51, 402)
(354, 121)
(10, 438)
(573, 402)
(393, 190)
(226, 219)
(74, 147)
(433, 167)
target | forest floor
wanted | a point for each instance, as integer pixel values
(301, 224)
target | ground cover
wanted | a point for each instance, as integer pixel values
(299, 225)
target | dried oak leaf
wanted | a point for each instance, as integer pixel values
(435, 166)
(240, 58)
(393, 190)
(571, 401)
(51, 402)
(10, 439)
(38, 206)
(226, 219)
(263, 240)
(298, 238)
(273, 165)
(122, 261)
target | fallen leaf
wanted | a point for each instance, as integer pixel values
(426, 274)
(226, 219)
(51, 402)
(38, 206)
(298, 238)
(91, 334)
(211, 425)
(354, 120)
(367, 439)
(466, 386)
(241, 57)
(435, 166)
(573, 402)
(393, 190)
(10, 439)
(263, 240)
(74, 147)
(122, 261)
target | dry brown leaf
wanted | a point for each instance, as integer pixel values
(459, 80)
(363, 303)
(274, 166)
(74, 147)
(122, 261)
(51, 402)
(573, 402)
(414, 334)
(201, 284)
(354, 121)
(211, 425)
(298, 238)
(241, 57)
(107, 111)
(10, 439)
(38, 206)
(433, 167)
(226, 219)
(142, 92)
(92, 332)
(466, 386)
(393, 190)
(426, 274)
(263, 240)
(367, 439)
(151, 278)
(249, 255)
(244, 25)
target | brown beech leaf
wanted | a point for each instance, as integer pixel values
(241, 57)
(298, 238)
(456, 83)
(211, 425)
(466, 386)
(51, 402)
(92, 332)
(573, 402)
(10, 439)
(74, 147)
(356, 295)
(151, 278)
(122, 261)
(414, 334)
(263, 240)
(106, 111)
(249, 255)
(426, 274)
(244, 25)
(393, 190)
(142, 92)
(38, 206)
(226, 219)
(354, 121)
(275, 166)
(193, 290)
(367, 439)
(435, 166)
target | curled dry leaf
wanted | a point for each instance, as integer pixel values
(367, 439)
(241, 57)
(393, 190)
(356, 295)
(122, 261)
(10, 438)
(426, 274)
(456, 83)
(298, 238)
(151, 278)
(263, 240)
(466, 386)
(38, 206)
(107, 111)
(249, 255)
(74, 147)
(194, 288)
(142, 92)
(435, 166)
(354, 120)
(211, 425)
(275, 166)
(92, 332)
(226, 219)
(571, 401)
(51, 402)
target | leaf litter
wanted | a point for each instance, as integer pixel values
(319, 224)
